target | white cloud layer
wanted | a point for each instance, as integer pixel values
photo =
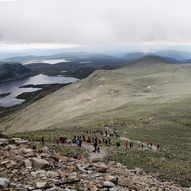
(95, 22)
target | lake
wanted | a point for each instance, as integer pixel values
(50, 61)
(13, 87)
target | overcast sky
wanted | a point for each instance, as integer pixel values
(94, 22)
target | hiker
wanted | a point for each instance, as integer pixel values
(126, 144)
(131, 145)
(158, 146)
(79, 141)
(106, 133)
(88, 139)
(42, 140)
(95, 147)
(142, 146)
(150, 146)
(80, 157)
(84, 138)
(74, 140)
(63, 140)
(98, 149)
(118, 144)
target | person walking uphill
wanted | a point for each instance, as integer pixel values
(95, 147)
(79, 141)
(42, 140)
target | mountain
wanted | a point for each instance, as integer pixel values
(147, 101)
(150, 80)
(13, 71)
(175, 56)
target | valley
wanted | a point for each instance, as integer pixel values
(148, 101)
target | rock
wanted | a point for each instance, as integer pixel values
(102, 169)
(25, 150)
(114, 189)
(39, 163)
(11, 164)
(3, 142)
(12, 146)
(138, 171)
(119, 165)
(111, 163)
(45, 149)
(108, 184)
(40, 173)
(41, 184)
(28, 163)
(4, 182)
(92, 187)
(81, 167)
(18, 141)
(54, 189)
(127, 182)
(71, 168)
(113, 179)
(4, 162)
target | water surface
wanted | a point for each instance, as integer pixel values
(13, 87)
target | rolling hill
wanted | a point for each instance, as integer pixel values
(104, 94)
(146, 101)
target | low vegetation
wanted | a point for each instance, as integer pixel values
(146, 102)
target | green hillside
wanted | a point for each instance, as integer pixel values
(146, 101)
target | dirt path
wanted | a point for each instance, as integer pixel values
(96, 156)
(137, 144)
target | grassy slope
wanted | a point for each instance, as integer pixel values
(121, 98)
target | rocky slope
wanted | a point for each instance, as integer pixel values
(13, 71)
(29, 166)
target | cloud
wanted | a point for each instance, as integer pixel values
(95, 22)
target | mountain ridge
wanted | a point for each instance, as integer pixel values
(157, 82)
(13, 71)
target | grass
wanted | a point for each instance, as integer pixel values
(170, 127)
(71, 151)
(161, 116)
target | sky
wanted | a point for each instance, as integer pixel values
(82, 23)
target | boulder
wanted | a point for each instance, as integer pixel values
(114, 189)
(127, 182)
(39, 163)
(41, 184)
(113, 179)
(4, 182)
(108, 184)
(28, 163)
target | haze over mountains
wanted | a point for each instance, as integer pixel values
(172, 55)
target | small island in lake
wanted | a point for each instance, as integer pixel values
(4, 95)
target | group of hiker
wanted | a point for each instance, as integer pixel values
(105, 137)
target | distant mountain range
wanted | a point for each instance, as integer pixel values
(81, 64)
(170, 55)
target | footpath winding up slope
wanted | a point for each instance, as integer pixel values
(104, 94)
